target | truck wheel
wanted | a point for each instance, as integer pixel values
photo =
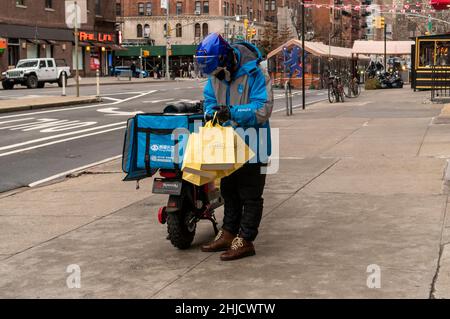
(60, 80)
(7, 85)
(41, 85)
(179, 233)
(32, 82)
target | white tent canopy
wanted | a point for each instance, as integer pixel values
(377, 47)
(318, 49)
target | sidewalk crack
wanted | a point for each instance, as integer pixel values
(303, 187)
(441, 250)
(423, 140)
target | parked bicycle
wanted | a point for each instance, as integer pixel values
(335, 89)
(351, 86)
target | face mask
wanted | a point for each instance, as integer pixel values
(222, 74)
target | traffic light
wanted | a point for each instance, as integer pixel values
(169, 30)
(382, 23)
(245, 24)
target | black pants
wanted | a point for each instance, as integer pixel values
(242, 192)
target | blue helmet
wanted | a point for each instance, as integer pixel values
(212, 53)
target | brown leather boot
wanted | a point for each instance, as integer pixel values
(222, 242)
(240, 248)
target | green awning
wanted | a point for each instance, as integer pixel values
(158, 50)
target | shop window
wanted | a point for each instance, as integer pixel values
(442, 53)
(13, 51)
(179, 30)
(32, 51)
(197, 30)
(205, 29)
(426, 53)
(139, 31)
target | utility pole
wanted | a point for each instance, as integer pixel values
(167, 41)
(303, 57)
(77, 72)
(385, 43)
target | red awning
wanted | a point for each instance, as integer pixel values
(440, 4)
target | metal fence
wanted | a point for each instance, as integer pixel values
(440, 83)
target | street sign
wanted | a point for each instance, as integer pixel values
(3, 45)
(78, 11)
(430, 24)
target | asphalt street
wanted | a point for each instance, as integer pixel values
(36, 146)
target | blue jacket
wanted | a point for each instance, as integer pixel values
(249, 95)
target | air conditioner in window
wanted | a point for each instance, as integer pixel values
(198, 12)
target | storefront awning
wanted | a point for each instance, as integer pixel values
(36, 41)
(115, 47)
(84, 44)
(158, 50)
(377, 47)
(28, 32)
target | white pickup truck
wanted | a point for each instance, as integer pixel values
(34, 73)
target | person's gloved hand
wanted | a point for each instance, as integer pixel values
(223, 113)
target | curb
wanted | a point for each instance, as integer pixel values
(444, 116)
(43, 106)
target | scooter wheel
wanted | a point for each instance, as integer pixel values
(180, 234)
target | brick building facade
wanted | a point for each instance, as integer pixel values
(144, 21)
(37, 28)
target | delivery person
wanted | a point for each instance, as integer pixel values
(240, 93)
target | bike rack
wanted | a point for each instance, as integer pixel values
(288, 96)
(440, 84)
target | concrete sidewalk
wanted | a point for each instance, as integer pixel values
(360, 185)
(12, 105)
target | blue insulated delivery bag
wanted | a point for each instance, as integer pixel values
(151, 145)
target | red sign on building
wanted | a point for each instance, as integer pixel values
(96, 37)
(440, 4)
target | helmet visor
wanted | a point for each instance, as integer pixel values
(206, 63)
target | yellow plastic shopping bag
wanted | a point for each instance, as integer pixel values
(219, 161)
(192, 161)
(217, 147)
(197, 179)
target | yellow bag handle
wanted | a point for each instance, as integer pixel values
(213, 123)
